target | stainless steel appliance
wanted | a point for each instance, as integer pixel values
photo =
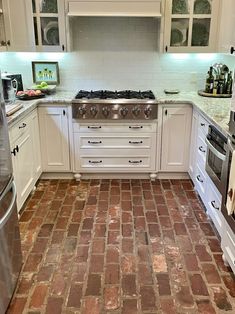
(12, 83)
(216, 158)
(10, 247)
(114, 105)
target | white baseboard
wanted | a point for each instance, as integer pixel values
(69, 175)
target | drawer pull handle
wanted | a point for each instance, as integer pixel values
(213, 204)
(133, 142)
(136, 127)
(13, 151)
(230, 194)
(22, 126)
(17, 149)
(201, 149)
(94, 127)
(135, 161)
(198, 178)
(95, 161)
(94, 142)
(202, 124)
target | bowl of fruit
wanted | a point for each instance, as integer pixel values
(44, 87)
(29, 94)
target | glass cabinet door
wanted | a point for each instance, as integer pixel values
(192, 25)
(49, 28)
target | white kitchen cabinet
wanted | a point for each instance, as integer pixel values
(176, 134)
(228, 246)
(193, 142)
(112, 147)
(16, 26)
(191, 25)
(48, 18)
(213, 206)
(24, 140)
(226, 26)
(54, 138)
(151, 8)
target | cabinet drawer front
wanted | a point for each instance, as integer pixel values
(97, 128)
(115, 152)
(201, 181)
(201, 149)
(213, 205)
(114, 142)
(116, 162)
(203, 124)
(20, 128)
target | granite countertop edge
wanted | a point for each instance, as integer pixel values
(215, 110)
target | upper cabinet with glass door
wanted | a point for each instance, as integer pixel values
(191, 25)
(49, 25)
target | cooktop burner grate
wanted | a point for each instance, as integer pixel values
(106, 94)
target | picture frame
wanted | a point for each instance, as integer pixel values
(45, 71)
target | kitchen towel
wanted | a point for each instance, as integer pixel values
(230, 205)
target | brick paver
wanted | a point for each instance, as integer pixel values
(120, 246)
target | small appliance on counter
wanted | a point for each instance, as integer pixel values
(11, 83)
(219, 82)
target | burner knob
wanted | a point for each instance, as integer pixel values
(81, 111)
(124, 111)
(93, 111)
(147, 112)
(136, 111)
(106, 111)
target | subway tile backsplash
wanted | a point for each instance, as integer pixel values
(119, 53)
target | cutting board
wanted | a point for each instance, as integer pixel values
(10, 109)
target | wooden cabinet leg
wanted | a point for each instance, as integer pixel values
(225, 260)
(77, 176)
(153, 176)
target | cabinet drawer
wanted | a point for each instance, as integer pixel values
(201, 150)
(200, 181)
(228, 246)
(213, 205)
(20, 128)
(142, 163)
(203, 124)
(114, 152)
(115, 142)
(97, 128)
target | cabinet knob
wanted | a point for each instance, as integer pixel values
(166, 48)
(63, 47)
(230, 194)
(232, 49)
(22, 126)
(64, 113)
(3, 43)
(166, 112)
(13, 151)
(17, 148)
(8, 43)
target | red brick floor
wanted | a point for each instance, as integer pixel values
(120, 246)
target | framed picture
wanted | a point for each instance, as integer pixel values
(44, 71)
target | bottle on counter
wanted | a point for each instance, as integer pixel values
(229, 83)
(222, 85)
(215, 85)
(209, 81)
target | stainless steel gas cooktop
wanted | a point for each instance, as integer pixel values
(105, 104)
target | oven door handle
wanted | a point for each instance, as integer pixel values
(215, 151)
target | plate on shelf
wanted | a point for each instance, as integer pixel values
(202, 7)
(200, 35)
(176, 37)
(180, 7)
(27, 97)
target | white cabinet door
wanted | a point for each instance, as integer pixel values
(176, 133)
(192, 162)
(17, 15)
(36, 145)
(48, 18)
(191, 25)
(227, 25)
(54, 137)
(26, 155)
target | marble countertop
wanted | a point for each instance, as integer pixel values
(216, 110)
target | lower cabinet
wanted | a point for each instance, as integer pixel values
(54, 138)
(26, 157)
(176, 134)
(115, 147)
